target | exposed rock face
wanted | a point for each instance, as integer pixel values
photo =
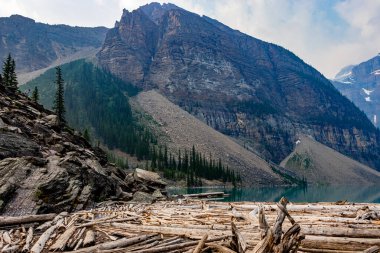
(361, 84)
(257, 92)
(36, 45)
(44, 169)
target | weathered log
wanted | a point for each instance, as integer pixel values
(8, 220)
(343, 243)
(114, 244)
(60, 243)
(28, 240)
(174, 247)
(40, 244)
(7, 238)
(10, 249)
(89, 238)
(274, 241)
(238, 239)
(300, 249)
(374, 249)
(201, 244)
(341, 231)
(218, 248)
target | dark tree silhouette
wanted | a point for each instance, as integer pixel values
(59, 103)
(35, 95)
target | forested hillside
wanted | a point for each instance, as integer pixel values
(97, 103)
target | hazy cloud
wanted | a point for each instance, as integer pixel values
(328, 34)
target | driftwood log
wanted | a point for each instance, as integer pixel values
(273, 239)
(180, 225)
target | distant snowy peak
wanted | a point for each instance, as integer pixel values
(345, 75)
(361, 84)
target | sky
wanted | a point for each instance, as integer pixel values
(327, 34)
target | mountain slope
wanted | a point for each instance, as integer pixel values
(184, 130)
(254, 91)
(97, 101)
(44, 169)
(361, 84)
(36, 46)
(323, 165)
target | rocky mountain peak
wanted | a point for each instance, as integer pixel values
(361, 84)
(21, 19)
(255, 91)
(156, 10)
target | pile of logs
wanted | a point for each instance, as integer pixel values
(198, 226)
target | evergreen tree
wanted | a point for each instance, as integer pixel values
(13, 77)
(7, 67)
(59, 104)
(86, 135)
(35, 95)
(1, 80)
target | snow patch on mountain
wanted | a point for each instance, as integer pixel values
(368, 92)
(368, 99)
(376, 72)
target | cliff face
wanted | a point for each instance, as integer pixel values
(361, 84)
(35, 45)
(257, 92)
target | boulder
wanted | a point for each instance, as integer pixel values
(143, 197)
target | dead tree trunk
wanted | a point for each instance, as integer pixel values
(272, 239)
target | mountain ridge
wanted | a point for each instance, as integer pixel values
(255, 91)
(361, 84)
(36, 45)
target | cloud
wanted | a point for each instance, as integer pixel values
(328, 34)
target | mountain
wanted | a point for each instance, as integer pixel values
(361, 84)
(323, 165)
(183, 130)
(36, 46)
(256, 92)
(45, 169)
(116, 114)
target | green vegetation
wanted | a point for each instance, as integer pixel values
(59, 102)
(9, 77)
(191, 166)
(35, 95)
(96, 98)
(300, 162)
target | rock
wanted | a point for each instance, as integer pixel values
(157, 194)
(58, 147)
(148, 177)
(16, 145)
(143, 197)
(48, 170)
(51, 120)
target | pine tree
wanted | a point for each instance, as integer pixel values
(13, 77)
(59, 104)
(86, 135)
(35, 95)
(7, 66)
(1, 80)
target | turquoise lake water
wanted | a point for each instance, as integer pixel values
(351, 193)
